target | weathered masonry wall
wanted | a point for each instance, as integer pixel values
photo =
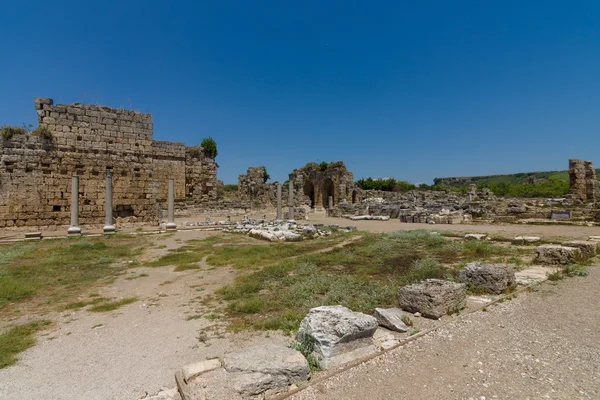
(35, 172)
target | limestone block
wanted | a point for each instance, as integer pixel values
(260, 368)
(587, 248)
(494, 278)
(339, 334)
(526, 239)
(433, 298)
(556, 255)
(475, 236)
(391, 318)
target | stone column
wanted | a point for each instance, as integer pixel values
(171, 206)
(291, 199)
(74, 229)
(330, 199)
(108, 222)
(279, 213)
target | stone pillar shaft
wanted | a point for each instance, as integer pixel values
(291, 199)
(171, 206)
(108, 222)
(279, 212)
(74, 229)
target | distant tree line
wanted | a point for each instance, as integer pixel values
(545, 188)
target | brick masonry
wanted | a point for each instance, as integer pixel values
(35, 172)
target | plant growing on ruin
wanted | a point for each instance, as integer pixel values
(266, 175)
(8, 131)
(209, 146)
(323, 166)
(42, 131)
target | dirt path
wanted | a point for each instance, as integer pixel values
(541, 345)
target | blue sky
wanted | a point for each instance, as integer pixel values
(413, 90)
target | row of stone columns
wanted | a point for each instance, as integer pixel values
(109, 227)
(290, 201)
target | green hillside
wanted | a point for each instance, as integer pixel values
(515, 179)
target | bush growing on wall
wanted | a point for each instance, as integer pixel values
(210, 146)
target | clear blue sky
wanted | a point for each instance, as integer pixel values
(409, 89)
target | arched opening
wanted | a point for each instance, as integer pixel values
(354, 197)
(309, 190)
(327, 189)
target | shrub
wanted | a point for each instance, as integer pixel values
(8, 131)
(42, 131)
(209, 146)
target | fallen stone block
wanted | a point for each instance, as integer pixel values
(269, 367)
(586, 247)
(493, 278)
(339, 335)
(391, 318)
(433, 298)
(553, 254)
(594, 238)
(191, 371)
(526, 239)
(475, 236)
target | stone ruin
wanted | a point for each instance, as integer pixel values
(88, 141)
(583, 183)
(319, 183)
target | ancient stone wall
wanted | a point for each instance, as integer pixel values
(319, 182)
(583, 183)
(86, 140)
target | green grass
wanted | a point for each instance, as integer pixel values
(80, 304)
(54, 271)
(17, 339)
(113, 305)
(361, 276)
(239, 251)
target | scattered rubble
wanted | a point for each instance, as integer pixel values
(433, 298)
(339, 335)
(282, 231)
(476, 236)
(493, 278)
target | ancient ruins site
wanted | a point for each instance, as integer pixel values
(129, 271)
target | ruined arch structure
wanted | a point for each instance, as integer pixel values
(317, 182)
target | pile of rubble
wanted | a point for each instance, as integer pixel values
(283, 230)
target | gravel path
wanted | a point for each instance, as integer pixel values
(542, 345)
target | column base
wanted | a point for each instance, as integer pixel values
(74, 231)
(171, 226)
(109, 229)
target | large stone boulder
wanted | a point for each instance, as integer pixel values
(587, 248)
(433, 298)
(553, 254)
(338, 334)
(269, 367)
(493, 278)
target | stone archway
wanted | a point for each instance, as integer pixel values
(309, 190)
(354, 196)
(327, 189)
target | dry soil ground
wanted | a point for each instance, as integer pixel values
(540, 342)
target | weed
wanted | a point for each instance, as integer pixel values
(113, 305)
(414, 331)
(186, 267)
(484, 309)
(80, 304)
(306, 346)
(17, 339)
(407, 321)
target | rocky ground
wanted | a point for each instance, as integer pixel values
(541, 345)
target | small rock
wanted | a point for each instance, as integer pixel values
(391, 318)
(433, 298)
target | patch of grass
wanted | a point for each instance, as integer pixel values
(80, 304)
(113, 305)
(185, 267)
(407, 321)
(50, 272)
(17, 339)
(414, 331)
